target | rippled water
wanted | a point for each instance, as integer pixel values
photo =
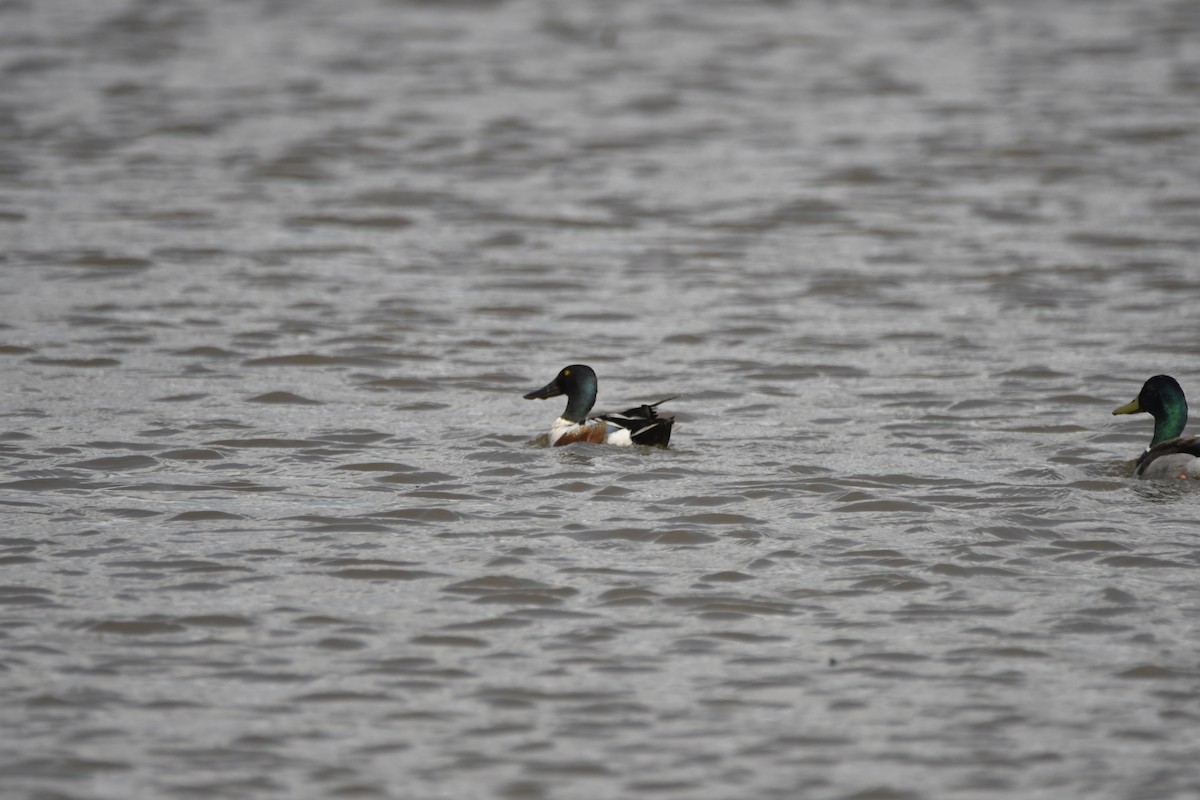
(276, 522)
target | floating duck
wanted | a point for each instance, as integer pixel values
(1170, 454)
(641, 425)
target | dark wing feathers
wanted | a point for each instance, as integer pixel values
(1182, 444)
(644, 424)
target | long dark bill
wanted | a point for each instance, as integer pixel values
(549, 390)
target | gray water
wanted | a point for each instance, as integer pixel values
(276, 522)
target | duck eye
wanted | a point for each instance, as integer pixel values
(566, 372)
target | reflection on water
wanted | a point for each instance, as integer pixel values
(277, 521)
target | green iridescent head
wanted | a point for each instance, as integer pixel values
(1162, 398)
(578, 383)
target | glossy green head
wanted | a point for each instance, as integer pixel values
(578, 383)
(1162, 398)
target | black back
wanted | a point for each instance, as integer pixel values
(644, 424)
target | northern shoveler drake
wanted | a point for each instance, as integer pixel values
(1170, 454)
(641, 425)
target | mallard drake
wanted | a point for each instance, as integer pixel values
(1170, 454)
(641, 425)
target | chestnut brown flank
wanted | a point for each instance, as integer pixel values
(594, 431)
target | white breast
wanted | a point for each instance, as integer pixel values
(560, 427)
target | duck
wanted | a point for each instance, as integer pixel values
(1170, 454)
(641, 425)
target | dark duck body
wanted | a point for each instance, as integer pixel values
(641, 425)
(1170, 454)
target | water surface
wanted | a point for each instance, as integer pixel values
(276, 521)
